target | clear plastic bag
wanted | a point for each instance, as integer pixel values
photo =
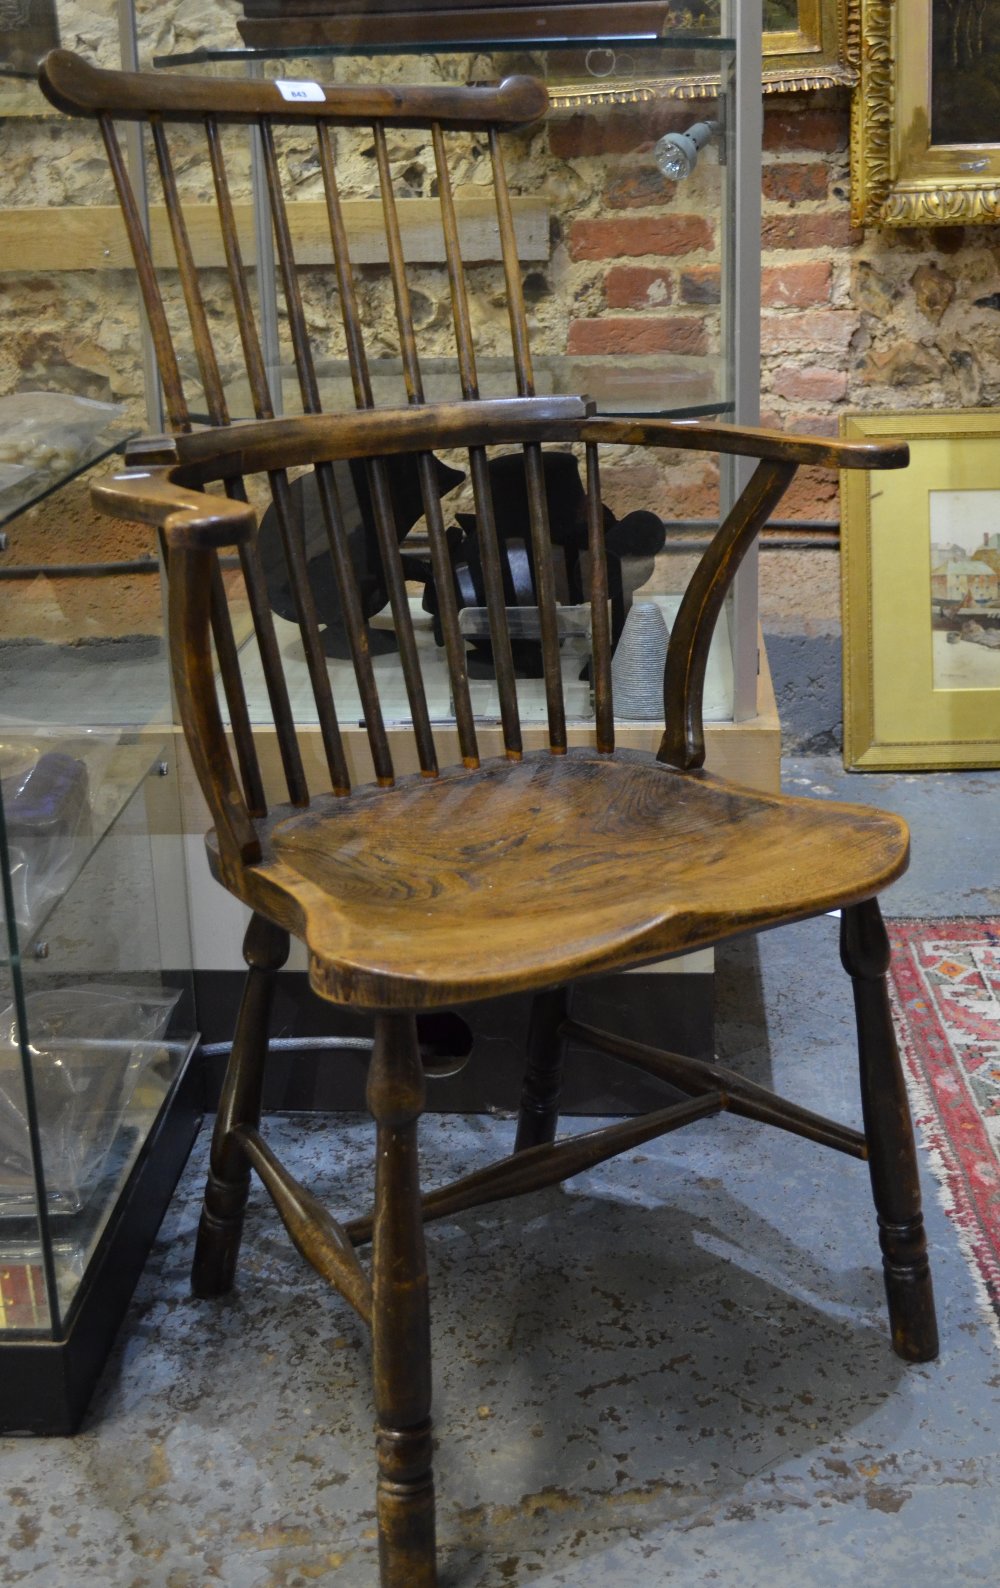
(47, 435)
(89, 1047)
(51, 430)
(46, 809)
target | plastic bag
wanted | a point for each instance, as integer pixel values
(51, 430)
(46, 809)
(45, 436)
(89, 1047)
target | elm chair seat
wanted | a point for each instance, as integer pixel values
(467, 886)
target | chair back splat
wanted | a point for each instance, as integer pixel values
(205, 321)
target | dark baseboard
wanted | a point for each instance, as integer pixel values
(667, 1011)
(46, 1384)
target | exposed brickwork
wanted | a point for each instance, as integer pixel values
(638, 189)
(796, 181)
(796, 286)
(639, 335)
(638, 287)
(879, 319)
(805, 129)
(633, 236)
(811, 383)
(812, 229)
(618, 131)
(815, 330)
(701, 284)
(850, 319)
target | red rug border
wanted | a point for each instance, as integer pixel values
(948, 1118)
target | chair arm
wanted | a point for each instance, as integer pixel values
(771, 446)
(778, 457)
(188, 519)
(194, 524)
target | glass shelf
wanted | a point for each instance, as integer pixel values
(646, 42)
(654, 386)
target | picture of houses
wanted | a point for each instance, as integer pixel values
(966, 580)
(965, 588)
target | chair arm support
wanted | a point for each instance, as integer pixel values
(193, 525)
(190, 607)
(779, 456)
(683, 742)
(187, 518)
(742, 441)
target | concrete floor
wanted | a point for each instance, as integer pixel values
(674, 1370)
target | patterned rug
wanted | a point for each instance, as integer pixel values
(946, 996)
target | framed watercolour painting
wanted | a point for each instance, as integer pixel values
(920, 552)
(925, 142)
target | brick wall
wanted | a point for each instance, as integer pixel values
(851, 319)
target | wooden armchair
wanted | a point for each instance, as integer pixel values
(501, 873)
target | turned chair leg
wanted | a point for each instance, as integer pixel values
(538, 1118)
(892, 1157)
(401, 1344)
(265, 949)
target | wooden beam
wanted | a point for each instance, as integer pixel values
(92, 237)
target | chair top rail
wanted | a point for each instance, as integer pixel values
(75, 86)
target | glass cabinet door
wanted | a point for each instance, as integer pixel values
(96, 1020)
(27, 1278)
(95, 1005)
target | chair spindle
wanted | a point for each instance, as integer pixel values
(327, 489)
(357, 357)
(512, 273)
(456, 270)
(604, 715)
(541, 545)
(496, 601)
(454, 644)
(170, 375)
(397, 271)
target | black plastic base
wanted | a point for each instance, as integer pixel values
(46, 1385)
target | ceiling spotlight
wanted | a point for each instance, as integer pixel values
(676, 154)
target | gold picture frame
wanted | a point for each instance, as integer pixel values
(901, 173)
(821, 50)
(921, 673)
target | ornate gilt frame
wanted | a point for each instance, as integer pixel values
(822, 52)
(898, 177)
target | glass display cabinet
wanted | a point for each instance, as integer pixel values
(638, 224)
(98, 1102)
(99, 1096)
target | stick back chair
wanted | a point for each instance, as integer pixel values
(511, 872)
